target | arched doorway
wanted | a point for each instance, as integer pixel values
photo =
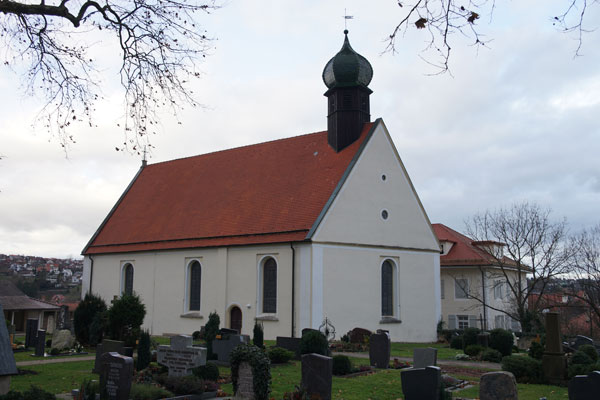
(235, 319)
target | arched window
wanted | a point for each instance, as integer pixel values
(387, 289)
(195, 280)
(269, 286)
(128, 279)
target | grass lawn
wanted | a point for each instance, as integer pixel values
(27, 355)
(526, 392)
(55, 378)
(406, 350)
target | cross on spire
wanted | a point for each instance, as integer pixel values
(346, 18)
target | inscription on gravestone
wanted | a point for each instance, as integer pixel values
(181, 357)
(115, 376)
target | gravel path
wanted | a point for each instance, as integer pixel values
(455, 363)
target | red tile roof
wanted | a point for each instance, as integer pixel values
(464, 251)
(270, 192)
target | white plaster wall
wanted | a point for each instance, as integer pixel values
(355, 215)
(352, 291)
(453, 306)
(229, 277)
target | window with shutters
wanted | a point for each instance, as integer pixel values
(269, 286)
(498, 290)
(463, 321)
(127, 279)
(387, 289)
(194, 285)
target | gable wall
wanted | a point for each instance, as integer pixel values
(355, 215)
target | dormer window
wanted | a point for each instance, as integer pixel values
(446, 246)
(496, 249)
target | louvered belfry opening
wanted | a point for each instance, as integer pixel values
(347, 75)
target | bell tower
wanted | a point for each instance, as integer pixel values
(347, 76)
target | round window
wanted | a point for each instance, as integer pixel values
(384, 214)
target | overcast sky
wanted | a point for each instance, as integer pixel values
(516, 121)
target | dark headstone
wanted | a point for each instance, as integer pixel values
(8, 366)
(554, 363)
(181, 357)
(583, 387)
(357, 335)
(127, 351)
(116, 372)
(380, 348)
(223, 347)
(483, 339)
(500, 385)
(421, 383)
(63, 318)
(227, 331)
(31, 329)
(107, 346)
(40, 346)
(424, 357)
(289, 343)
(316, 375)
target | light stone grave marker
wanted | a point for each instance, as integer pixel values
(181, 357)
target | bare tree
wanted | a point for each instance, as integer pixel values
(534, 247)
(445, 20)
(586, 268)
(160, 43)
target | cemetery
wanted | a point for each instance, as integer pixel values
(218, 362)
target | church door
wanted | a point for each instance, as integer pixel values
(235, 319)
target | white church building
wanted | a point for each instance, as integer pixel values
(288, 232)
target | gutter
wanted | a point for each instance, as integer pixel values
(91, 271)
(293, 288)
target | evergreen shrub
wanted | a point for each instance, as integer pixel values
(536, 350)
(473, 350)
(84, 316)
(456, 342)
(258, 335)
(314, 342)
(144, 354)
(125, 316)
(279, 355)
(491, 355)
(501, 340)
(211, 329)
(208, 372)
(470, 336)
(341, 365)
(525, 369)
(590, 351)
(579, 357)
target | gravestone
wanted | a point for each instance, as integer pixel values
(289, 343)
(30, 332)
(62, 339)
(424, 357)
(583, 387)
(554, 363)
(40, 346)
(107, 346)
(306, 330)
(227, 331)
(316, 375)
(245, 382)
(223, 347)
(357, 335)
(582, 340)
(8, 366)
(181, 357)
(116, 372)
(500, 385)
(63, 318)
(421, 383)
(380, 348)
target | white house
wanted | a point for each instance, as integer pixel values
(288, 232)
(474, 286)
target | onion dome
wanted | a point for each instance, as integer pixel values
(347, 68)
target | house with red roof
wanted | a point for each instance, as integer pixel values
(474, 288)
(287, 232)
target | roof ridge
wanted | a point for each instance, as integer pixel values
(235, 148)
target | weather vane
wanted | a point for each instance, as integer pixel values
(346, 18)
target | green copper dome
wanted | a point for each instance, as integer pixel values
(347, 68)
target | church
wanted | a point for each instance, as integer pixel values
(289, 233)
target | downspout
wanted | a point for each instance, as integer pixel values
(484, 324)
(91, 271)
(293, 288)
